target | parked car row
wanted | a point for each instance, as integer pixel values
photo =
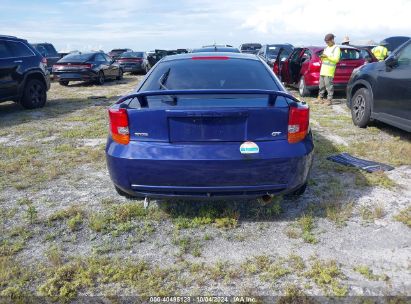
(375, 90)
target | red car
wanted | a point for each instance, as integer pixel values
(302, 68)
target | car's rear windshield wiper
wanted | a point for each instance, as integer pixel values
(162, 81)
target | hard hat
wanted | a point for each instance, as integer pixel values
(346, 39)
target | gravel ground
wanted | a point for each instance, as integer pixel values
(352, 216)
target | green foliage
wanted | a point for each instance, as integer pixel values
(367, 273)
(326, 275)
(404, 216)
(75, 222)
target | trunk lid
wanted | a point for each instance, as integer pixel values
(210, 120)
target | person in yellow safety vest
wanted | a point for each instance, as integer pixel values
(329, 58)
(380, 52)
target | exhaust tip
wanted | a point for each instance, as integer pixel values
(265, 199)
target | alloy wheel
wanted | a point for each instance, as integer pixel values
(36, 94)
(359, 107)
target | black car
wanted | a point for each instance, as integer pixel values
(269, 52)
(216, 48)
(23, 73)
(93, 66)
(382, 91)
(117, 52)
(48, 51)
(250, 48)
(155, 56)
(394, 42)
(134, 62)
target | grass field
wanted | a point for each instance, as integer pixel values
(64, 232)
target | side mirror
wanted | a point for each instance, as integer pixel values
(391, 61)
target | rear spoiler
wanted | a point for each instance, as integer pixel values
(272, 95)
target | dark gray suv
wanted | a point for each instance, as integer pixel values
(48, 51)
(23, 73)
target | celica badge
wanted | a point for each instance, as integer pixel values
(141, 134)
(249, 147)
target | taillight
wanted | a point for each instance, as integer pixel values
(298, 121)
(129, 60)
(83, 66)
(119, 126)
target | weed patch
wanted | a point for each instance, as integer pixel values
(404, 216)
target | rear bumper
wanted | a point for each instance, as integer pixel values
(131, 67)
(75, 76)
(208, 170)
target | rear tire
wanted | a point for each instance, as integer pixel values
(302, 88)
(361, 108)
(100, 79)
(120, 74)
(64, 83)
(34, 95)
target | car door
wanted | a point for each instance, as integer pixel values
(393, 90)
(304, 63)
(8, 87)
(14, 56)
(103, 65)
(113, 65)
(290, 65)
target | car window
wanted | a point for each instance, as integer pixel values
(76, 58)
(350, 54)
(306, 54)
(364, 54)
(295, 56)
(107, 58)
(41, 50)
(405, 56)
(272, 51)
(206, 74)
(19, 49)
(50, 49)
(100, 58)
(4, 50)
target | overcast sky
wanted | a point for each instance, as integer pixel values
(150, 24)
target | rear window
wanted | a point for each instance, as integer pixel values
(250, 47)
(272, 51)
(76, 58)
(50, 49)
(210, 74)
(347, 54)
(132, 55)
